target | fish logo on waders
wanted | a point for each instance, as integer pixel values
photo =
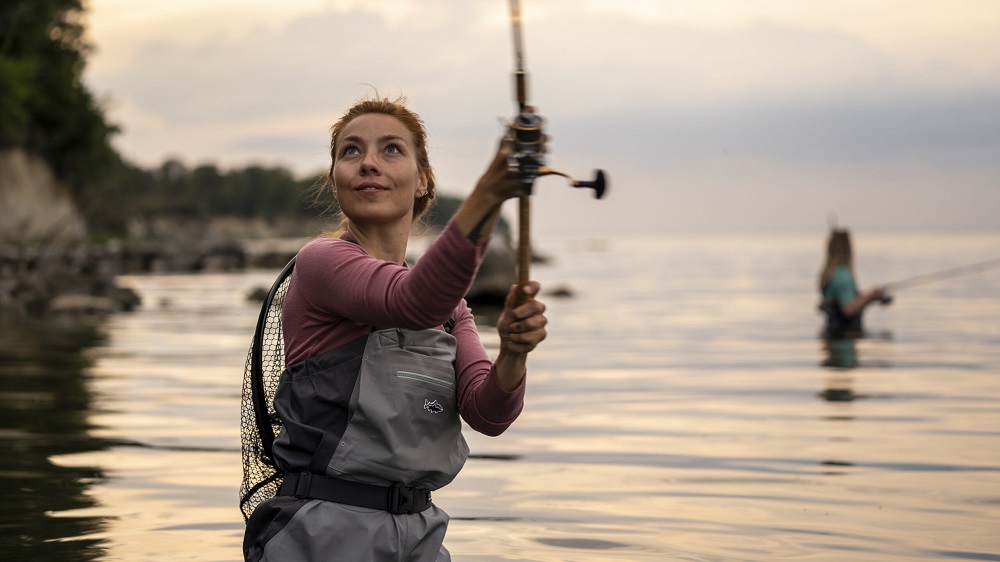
(433, 406)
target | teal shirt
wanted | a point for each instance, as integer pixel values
(840, 288)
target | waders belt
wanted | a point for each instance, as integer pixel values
(394, 499)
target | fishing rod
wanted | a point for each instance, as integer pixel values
(528, 161)
(943, 274)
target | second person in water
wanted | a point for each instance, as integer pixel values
(843, 302)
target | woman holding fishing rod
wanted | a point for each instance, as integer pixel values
(384, 360)
(843, 302)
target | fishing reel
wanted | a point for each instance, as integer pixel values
(529, 162)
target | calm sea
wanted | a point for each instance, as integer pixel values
(682, 408)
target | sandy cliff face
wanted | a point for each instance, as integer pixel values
(34, 206)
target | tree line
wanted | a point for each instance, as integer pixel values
(201, 192)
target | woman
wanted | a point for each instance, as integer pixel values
(384, 360)
(843, 303)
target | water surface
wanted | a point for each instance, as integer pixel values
(682, 408)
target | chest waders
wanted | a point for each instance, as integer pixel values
(369, 429)
(839, 325)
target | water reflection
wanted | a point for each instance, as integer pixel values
(44, 404)
(841, 356)
(840, 353)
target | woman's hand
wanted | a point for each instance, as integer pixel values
(522, 323)
(477, 215)
(499, 183)
(881, 295)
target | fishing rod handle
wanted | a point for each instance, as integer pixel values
(523, 245)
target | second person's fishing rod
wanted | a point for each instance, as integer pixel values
(950, 273)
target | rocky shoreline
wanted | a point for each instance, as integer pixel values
(47, 280)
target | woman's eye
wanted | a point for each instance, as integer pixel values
(349, 150)
(393, 148)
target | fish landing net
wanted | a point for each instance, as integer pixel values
(258, 421)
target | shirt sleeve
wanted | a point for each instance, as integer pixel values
(338, 278)
(482, 401)
(841, 287)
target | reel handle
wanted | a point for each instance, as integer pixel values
(598, 184)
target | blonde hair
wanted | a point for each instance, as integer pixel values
(838, 253)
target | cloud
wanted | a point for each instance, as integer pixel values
(707, 114)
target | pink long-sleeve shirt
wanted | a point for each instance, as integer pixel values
(339, 293)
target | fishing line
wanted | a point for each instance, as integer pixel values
(950, 273)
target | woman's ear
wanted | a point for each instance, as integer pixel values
(421, 187)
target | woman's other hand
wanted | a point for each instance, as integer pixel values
(522, 323)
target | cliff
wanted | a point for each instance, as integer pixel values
(34, 206)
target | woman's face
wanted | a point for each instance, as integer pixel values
(375, 176)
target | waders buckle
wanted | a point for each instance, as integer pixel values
(407, 500)
(303, 484)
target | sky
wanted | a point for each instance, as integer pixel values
(706, 115)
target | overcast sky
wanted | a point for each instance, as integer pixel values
(761, 115)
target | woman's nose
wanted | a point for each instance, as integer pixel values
(369, 164)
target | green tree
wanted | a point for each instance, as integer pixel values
(44, 106)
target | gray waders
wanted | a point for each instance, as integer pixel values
(369, 430)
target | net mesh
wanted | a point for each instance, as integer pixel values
(261, 479)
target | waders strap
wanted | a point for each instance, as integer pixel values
(394, 499)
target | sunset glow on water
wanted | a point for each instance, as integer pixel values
(681, 409)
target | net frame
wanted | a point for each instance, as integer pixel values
(259, 423)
